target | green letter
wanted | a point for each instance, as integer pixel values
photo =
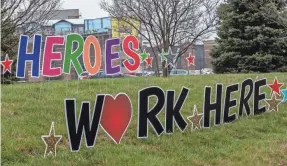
(72, 56)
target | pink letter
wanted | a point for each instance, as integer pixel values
(49, 55)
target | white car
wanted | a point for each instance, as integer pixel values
(178, 72)
(207, 71)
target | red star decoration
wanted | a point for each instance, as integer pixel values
(6, 64)
(275, 87)
(190, 60)
(149, 61)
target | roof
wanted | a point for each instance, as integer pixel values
(64, 14)
(98, 18)
(72, 21)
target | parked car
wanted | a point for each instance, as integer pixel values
(207, 71)
(100, 74)
(139, 74)
(149, 73)
(178, 72)
(129, 74)
(84, 75)
(203, 71)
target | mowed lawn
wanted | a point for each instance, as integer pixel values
(29, 109)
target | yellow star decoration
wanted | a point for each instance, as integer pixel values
(51, 141)
(195, 119)
(273, 103)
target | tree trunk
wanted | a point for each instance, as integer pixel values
(164, 69)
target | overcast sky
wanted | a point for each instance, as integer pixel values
(88, 8)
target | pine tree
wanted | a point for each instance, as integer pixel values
(247, 40)
(9, 45)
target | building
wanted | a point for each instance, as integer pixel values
(98, 25)
(200, 51)
(208, 46)
(63, 27)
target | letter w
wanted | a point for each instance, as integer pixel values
(75, 130)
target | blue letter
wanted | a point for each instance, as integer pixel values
(33, 57)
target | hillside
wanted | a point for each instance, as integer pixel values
(29, 109)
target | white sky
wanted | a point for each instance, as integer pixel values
(88, 8)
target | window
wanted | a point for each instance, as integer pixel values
(63, 27)
(97, 25)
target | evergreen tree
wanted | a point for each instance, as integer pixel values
(9, 45)
(247, 40)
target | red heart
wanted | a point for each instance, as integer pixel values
(116, 116)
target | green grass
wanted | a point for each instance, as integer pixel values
(29, 109)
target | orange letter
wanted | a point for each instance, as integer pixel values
(86, 55)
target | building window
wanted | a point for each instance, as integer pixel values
(63, 28)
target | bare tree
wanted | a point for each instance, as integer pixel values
(166, 23)
(28, 14)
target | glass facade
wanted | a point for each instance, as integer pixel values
(63, 27)
(98, 25)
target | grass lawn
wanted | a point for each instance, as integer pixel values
(29, 109)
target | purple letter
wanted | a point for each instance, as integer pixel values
(110, 56)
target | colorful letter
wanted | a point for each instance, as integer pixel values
(97, 66)
(71, 55)
(130, 53)
(49, 55)
(33, 57)
(110, 56)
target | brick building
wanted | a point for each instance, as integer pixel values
(208, 46)
(200, 51)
